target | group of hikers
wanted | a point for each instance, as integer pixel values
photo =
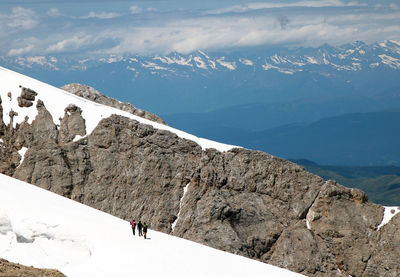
(142, 228)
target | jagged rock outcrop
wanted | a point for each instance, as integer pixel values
(9, 157)
(72, 124)
(242, 201)
(8, 269)
(26, 98)
(95, 96)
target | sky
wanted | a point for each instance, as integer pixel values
(104, 27)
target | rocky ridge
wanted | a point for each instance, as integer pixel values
(242, 201)
(8, 269)
(95, 96)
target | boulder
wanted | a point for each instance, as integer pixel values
(26, 98)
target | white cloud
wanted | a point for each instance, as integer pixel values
(101, 15)
(262, 5)
(54, 12)
(159, 32)
(20, 18)
(20, 51)
(70, 44)
(221, 32)
(135, 9)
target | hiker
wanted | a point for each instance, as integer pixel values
(139, 226)
(133, 225)
(144, 230)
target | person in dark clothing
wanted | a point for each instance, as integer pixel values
(140, 226)
(133, 225)
(144, 230)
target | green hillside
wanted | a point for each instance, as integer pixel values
(381, 183)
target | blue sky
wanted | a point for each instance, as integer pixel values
(101, 27)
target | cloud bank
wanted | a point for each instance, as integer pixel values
(148, 30)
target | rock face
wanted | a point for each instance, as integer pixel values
(382, 261)
(242, 201)
(95, 96)
(8, 269)
(72, 124)
(9, 157)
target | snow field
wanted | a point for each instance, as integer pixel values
(43, 229)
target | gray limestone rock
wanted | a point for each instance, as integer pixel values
(9, 157)
(384, 259)
(348, 223)
(43, 127)
(300, 249)
(27, 96)
(23, 102)
(72, 124)
(95, 96)
(8, 269)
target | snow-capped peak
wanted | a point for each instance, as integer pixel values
(186, 65)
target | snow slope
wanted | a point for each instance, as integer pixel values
(43, 229)
(56, 100)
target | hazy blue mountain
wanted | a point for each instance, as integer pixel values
(202, 82)
(269, 115)
(287, 102)
(350, 139)
(381, 183)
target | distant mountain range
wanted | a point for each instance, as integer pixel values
(356, 56)
(249, 97)
(202, 82)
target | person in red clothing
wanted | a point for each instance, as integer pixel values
(133, 225)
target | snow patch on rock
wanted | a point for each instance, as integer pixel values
(22, 152)
(388, 214)
(185, 189)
